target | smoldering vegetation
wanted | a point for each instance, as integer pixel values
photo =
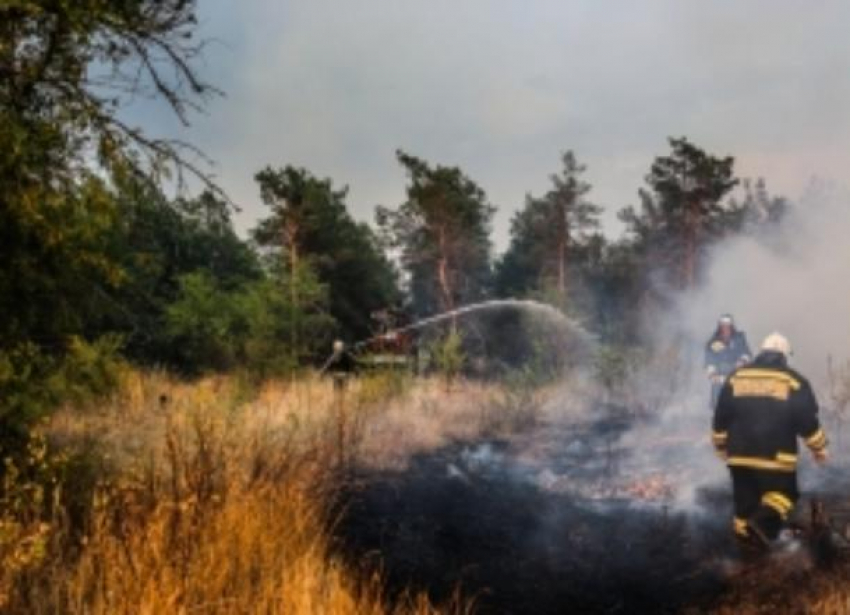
(610, 500)
(597, 511)
(527, 465)
(526, 532)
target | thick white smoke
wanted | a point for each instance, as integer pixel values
(795, 281)
(794, 278)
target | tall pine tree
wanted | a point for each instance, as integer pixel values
(443, 233)
(310, 227)
(549, 236)
(682, 211)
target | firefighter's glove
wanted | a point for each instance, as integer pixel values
(821, 456)
(718, 441)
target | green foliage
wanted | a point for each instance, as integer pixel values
(55, 263)
(443, 233)
(24, 370)
(201, 323)
(33, 381)
(65, 68)
(68, 66)
(158, 243)
(683, 211)
(88, 371)
(759, 210)
(448, 356)
(211, 328)
(549, 237)
(310, 222)
(269, 317)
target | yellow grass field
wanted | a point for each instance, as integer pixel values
(214, 498)
(208, 499)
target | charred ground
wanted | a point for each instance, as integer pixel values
(553, 520)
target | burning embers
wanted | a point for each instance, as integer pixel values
(650, 489)
(591, 465)
(559, 520)
(606, 517)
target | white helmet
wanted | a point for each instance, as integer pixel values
(776, 342)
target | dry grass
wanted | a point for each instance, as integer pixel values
(794, 592)
(213, 498)
(201, 499)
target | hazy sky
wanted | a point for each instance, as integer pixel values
(501, 87)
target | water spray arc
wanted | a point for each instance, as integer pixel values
(552, 315)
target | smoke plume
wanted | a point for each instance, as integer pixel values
(794, 279)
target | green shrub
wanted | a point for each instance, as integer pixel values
(33, 382)
(448, 356)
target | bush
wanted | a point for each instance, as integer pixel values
(448, 356)
(33, 382)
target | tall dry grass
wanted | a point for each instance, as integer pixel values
(201, 498)
(794, 592)
(213, 497)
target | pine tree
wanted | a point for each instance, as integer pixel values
(548, 234)
(310, 226)
(683, 210)
(443, 233)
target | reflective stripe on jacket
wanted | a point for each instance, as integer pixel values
(762, 409)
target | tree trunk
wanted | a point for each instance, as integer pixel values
(291, 234)
(691, 237)
(563, 240)
(443, 276)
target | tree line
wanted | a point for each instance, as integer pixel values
(101, 266)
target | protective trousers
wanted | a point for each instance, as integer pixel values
(763, 501)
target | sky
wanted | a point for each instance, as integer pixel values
(501, 87)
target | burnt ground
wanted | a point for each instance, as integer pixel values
(562, 519)
(564, 528)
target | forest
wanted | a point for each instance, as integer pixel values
(130, 303)
(102, 266)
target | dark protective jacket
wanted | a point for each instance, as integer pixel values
(763, 408)
(725, 355)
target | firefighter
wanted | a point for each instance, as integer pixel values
(340, 365)
(762, 409)
(726, 350)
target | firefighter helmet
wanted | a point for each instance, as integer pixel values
(776, 342)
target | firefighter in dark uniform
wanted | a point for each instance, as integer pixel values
(725, 351)
(763, 408)
(341, 365)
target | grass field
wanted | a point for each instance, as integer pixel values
(210, 498)
(213, 497)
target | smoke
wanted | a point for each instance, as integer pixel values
(606, 491)
(794, 279)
